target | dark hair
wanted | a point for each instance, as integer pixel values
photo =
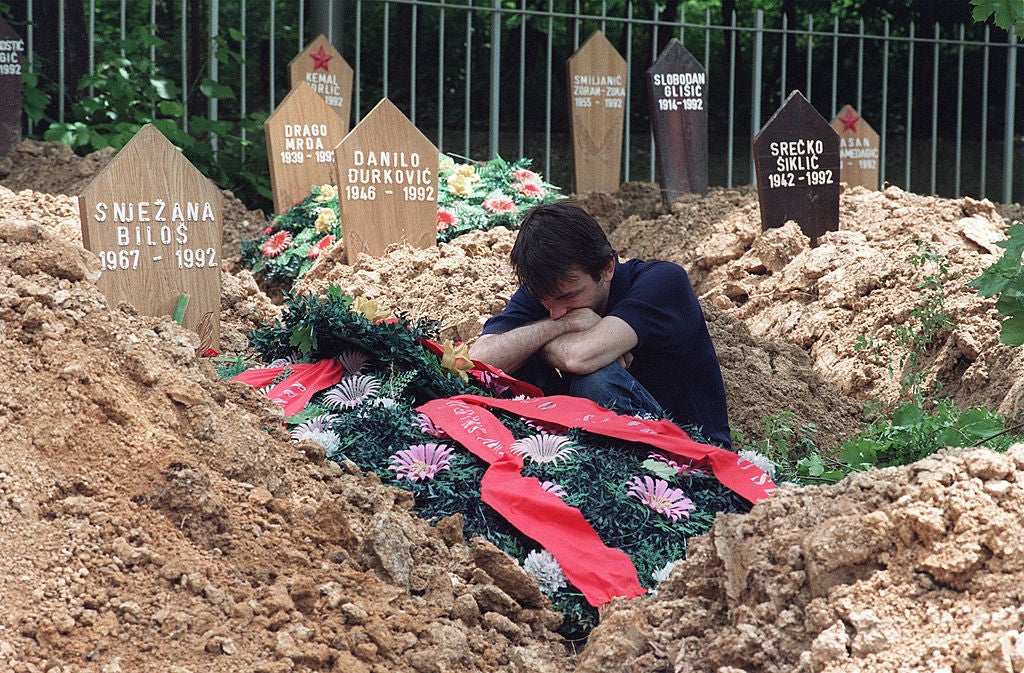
(556, 239)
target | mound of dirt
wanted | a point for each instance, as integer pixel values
(165, 522)
(157, 518)
(917, 568)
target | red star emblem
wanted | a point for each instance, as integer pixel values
(849, 121)
(321, 59)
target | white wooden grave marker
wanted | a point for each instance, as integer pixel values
(301, 137)
(387, 184)
(858, 149)
(597, 95)
(321, 67)
(156, 224)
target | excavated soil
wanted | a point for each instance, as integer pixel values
(164, 522)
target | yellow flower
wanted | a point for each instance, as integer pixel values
(327, 192)
(369, 309)
(468, 171)
(459, 185)
(325, 219)
(446, 163)
(456, 359)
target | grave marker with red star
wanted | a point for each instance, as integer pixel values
(858, 149)
(321, 67)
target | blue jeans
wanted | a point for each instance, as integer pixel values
(611, 386)
(615, 388)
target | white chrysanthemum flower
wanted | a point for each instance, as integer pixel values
(352, 391)
(661, 575)
(325, 438)
(543, 566)
(353, 361)
(544, 448)
(762, 461)
(315, 424)
(283, 362)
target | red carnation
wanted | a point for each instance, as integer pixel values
(320, 246)
(276, 244)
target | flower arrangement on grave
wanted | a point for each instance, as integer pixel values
(292, 241)
(636, 500)
(474, 195)
(486, 194)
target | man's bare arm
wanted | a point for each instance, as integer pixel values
(608, 340)
(509, 350)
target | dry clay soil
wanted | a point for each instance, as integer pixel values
(154, 518)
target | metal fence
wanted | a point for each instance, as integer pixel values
(487, 77)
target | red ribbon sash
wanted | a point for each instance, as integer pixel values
(295, 392)
(600, 572)
(735, 473)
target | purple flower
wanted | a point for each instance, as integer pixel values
(544, 448)
(680, 469)
(552, 487)
(662, 498)
(427, 427)
(493, 382)
(421, 461)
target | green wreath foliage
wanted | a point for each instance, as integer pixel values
(594, 476)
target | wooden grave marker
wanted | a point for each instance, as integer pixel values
(858, 149)
(301, 137)
(321, 67)
(11, 49)
(387, 184)
(678, 95)
(156, 221)
(597, 95)
(796, 160)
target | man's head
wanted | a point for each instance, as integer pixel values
(557, 243)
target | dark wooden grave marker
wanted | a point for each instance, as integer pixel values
(678, 95)
(321, 67)
(597, 95)
(796, 160)
(156, 224)
(858, 149)
(11, 49)
(301, 137)
(387, 184)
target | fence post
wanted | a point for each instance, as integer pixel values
(755, 103)
(1011, 100)
(495, 75)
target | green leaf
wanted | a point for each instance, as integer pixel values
(214, 89)
(908, 416)
(1011, 331)
(811, 465)
(304, 339)
(659, 469)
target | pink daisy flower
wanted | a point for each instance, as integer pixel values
(427, 427)
(321, 245)
(525, 175)
(276, 244)
(554, 488)
(662, 498)
(531, 189)
(421, 461)
(499, 204)
(445, 219)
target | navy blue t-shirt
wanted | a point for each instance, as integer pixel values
(674, 358)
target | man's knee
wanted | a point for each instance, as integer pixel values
(615, 388)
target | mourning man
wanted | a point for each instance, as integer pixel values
(629, 335)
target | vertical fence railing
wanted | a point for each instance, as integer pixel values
(521, 111)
